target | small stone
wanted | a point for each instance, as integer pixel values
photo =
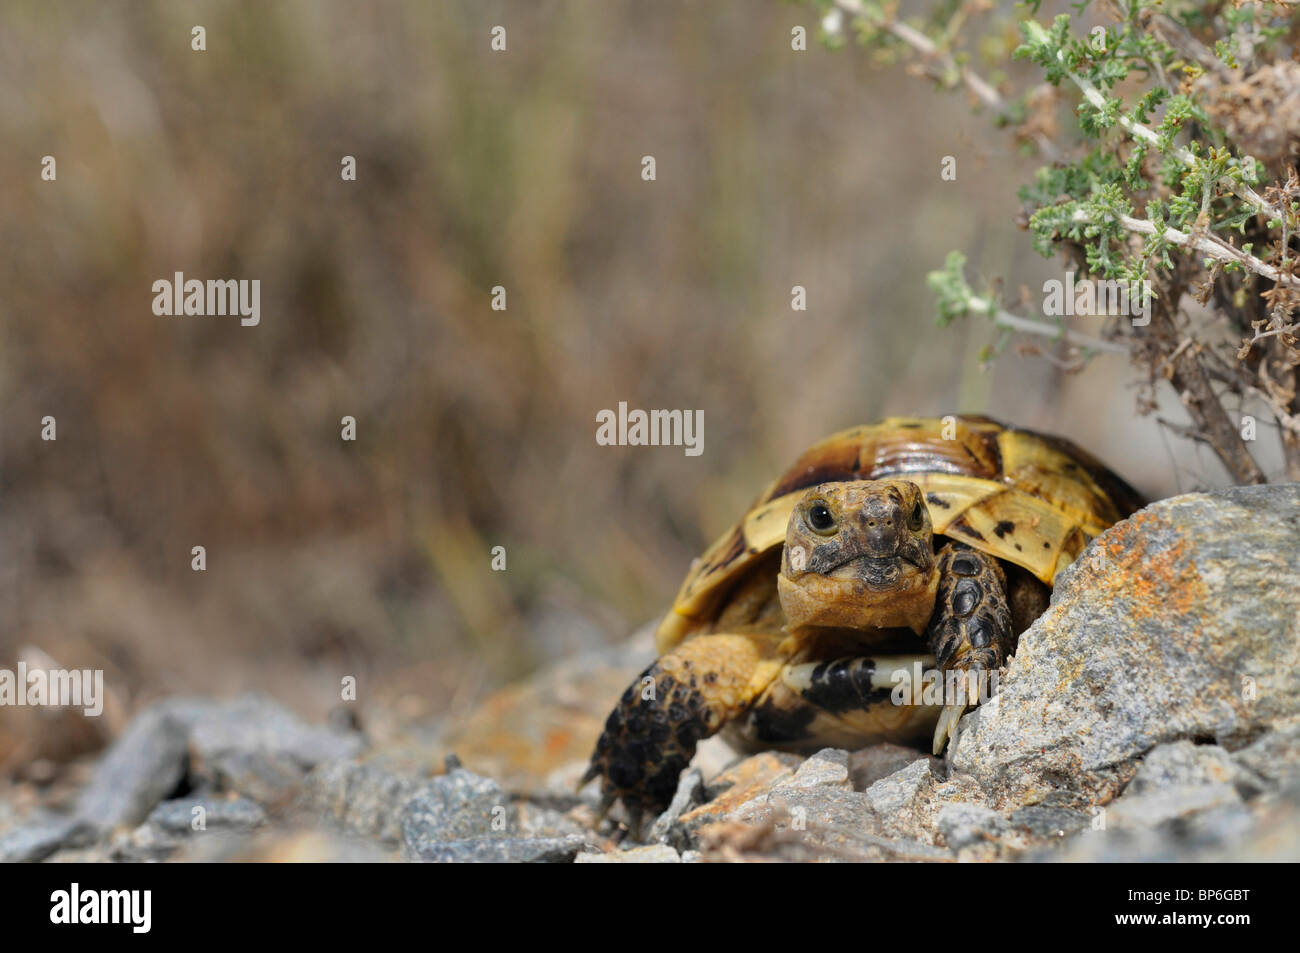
(1044, 821)
(1178, 780)
(738, 785)
(690, 791)
(868, 765)
(653, 854)
(964, 824)
(828, 768)
(37, 840)
(501, 850)
(461, 806)
(148, 843)
(1275, 756)
(1185, 764)
(901, 789)
(143, 766)
(1161, 806)
(178, 817)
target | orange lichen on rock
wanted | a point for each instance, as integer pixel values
(1148, 567)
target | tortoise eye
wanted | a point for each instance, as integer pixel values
(916, 519)
(820, 519)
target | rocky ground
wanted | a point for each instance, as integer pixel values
(1152, 714)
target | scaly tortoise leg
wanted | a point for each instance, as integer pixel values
(970, 630)
(853, 682)
(847, 702)
(684, 697)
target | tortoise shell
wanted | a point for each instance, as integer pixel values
(1028, 498)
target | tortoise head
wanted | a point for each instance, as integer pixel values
(860, 554)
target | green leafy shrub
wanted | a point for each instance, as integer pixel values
(1175, 166)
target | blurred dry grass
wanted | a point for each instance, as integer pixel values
(476, 428)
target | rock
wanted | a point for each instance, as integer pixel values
(178, 816)
(1216, 834)
(830, 839)
(1181, 779)
(738, 785)
(667, 828)
(868, 765)
(1043, 821)
(360, 799)
(38, 839)
(1174, 782)
(95, 854)
(809, 791)
(828, 768)
(653, 854)
(147, 844)
(1274, 757)
(257, 747)
(500, 850)
(460, 806)
(813, 814)
(1160, 807)
(1184, 764)
(963, 824)
(142, 767)
(547, 724)
(899, 791)
(251, 745)
(1197, 803)
(1178, 623)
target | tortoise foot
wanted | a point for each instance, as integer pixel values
(648, 741)
(970, 631)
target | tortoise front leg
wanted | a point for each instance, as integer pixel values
(684, 697)
(970, 630)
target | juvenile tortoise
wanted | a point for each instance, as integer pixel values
(950, 529)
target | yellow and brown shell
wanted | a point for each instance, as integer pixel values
(1031, 499)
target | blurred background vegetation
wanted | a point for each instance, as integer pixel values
(475, 427)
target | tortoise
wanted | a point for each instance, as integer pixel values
(912, 547)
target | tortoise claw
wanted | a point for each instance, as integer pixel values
(946, 729)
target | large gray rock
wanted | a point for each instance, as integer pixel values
(1179, 623)
(259, 748)
(457, 806)
(143, 766)
(252, 745)
(40, 838)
